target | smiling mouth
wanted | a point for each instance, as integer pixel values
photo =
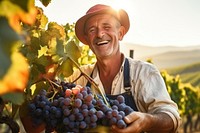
(102, 43)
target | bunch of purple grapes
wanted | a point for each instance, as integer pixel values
(76, 108)
(115, 114)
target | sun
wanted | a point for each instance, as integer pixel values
(119, 4)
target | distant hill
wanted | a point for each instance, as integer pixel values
(188, 74)
(183, 61)
(175, 58)
(164, 57)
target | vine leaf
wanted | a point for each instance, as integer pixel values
(22, 3)
(56, 30)
(7, 40)
(66, 68)
(15, 98)
(17, 76)
(18, 12)
(71, 51)
(45, 2)
(36, 88)
(42, 51)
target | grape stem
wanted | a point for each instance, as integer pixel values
(54, 89)
(90, 80)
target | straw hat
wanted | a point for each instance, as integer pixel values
(121, 15)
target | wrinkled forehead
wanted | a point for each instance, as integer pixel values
(101, 18)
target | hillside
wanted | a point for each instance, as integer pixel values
(142, 51)
(164, 57)
(175, 58)
(183, 61)
(188, 74)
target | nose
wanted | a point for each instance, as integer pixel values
(100, 33)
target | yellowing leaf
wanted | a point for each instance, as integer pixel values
(56, 30)
(17, 76)
(42, 51)
(16, 14)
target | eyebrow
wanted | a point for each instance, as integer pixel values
(104, 23)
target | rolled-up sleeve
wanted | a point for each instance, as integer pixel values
(152, 95)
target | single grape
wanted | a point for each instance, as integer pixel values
(66, 121)
(77, 103)
(121, 124)
(100, 114)
(83, 125)
(121, 99)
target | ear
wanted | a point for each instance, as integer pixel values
(121, 32)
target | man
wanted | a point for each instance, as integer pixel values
(102, 28)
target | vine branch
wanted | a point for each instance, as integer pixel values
(90, 80)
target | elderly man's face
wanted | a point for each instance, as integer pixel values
(103, 33)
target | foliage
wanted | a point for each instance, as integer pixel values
(13, 77)
(186, 96)
(11, 15)
(34, 51)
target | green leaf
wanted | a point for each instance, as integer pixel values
(60, 48)
(7, 35)
(66, 68)
(34, 74)
(21, 3)
(15, 98)
(73, 51)
(52, 47)
(8, 39)
(56, 48)
(40, 68)
(43, 60)
(39, 86)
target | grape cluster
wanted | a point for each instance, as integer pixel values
(76, 108)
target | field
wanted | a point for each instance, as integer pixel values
(188, 73)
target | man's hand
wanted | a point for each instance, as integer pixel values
(139, 122)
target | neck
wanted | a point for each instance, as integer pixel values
(108, 68)
(108, 65)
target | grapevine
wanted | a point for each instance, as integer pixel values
(45, 51)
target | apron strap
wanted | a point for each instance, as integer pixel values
(126, 74)
(127, 84)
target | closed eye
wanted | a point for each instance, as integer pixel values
(91, 30)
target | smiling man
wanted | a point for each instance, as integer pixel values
(102, 28)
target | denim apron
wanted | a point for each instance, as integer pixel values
(129, 100)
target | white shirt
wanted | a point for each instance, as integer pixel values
(147, 86)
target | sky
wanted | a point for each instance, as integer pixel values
(152, 22)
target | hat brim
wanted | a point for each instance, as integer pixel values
(121, 15)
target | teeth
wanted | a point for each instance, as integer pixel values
(102, 42)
